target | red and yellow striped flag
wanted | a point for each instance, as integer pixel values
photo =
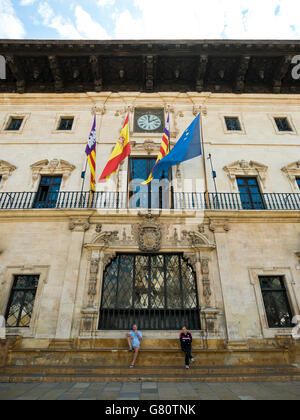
(120, 152)
(164, 149)
(91, 154)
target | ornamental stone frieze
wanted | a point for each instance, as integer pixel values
(244, 168)
(52, 167)
(6, 169)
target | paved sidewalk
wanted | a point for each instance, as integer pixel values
(151, 391)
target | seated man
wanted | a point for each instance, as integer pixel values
(134, 338)
(186, 346)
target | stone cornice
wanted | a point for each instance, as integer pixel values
(130, 216)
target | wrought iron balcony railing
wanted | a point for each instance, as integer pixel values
(121, 201)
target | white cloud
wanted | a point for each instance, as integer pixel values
(84, 27)
(87, 26)
(10, 26)
(104, 3)
(192, 19)
(26, 2)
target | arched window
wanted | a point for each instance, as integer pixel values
(157, 292)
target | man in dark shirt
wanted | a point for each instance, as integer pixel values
(186, 340)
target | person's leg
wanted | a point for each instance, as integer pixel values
(136, 352)
(129, 339)
(187, 357)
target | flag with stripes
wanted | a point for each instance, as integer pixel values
(164, 149)
(120, 153)
(91, 154)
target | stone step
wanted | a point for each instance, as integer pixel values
(154, 370)
(185, 376)
(147, 357)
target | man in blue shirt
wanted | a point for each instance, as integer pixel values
(134, 338)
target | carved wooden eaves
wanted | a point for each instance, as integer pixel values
(53, 167)
(244, 168)
(6, 169)
(292, 171)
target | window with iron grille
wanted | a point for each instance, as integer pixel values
(47, 193)
(298, 182)
(233, 124)
(14, 124)
(66, 124)
(21, 302)
(283, 124)
(155, 291)
(277, 306)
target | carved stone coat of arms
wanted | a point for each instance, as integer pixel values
(149, 237)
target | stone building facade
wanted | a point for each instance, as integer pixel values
(236, 250)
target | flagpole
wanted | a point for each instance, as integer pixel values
(204, 163)
(83, 174)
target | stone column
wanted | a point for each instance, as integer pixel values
(68, 297)
(230, 298)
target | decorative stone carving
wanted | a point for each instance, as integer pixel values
(108, 258)
(197, 239)
(6, 169)
(292, 171)
(94, 267)
(242, 168)
(211, 320)
(106, 238)
(149, 236)
(79, 225)
(52, 167)
(219, 226)
(148, 146)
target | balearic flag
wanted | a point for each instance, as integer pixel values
(91, 154)
(164, 149)
(120, 152)
(188, 147)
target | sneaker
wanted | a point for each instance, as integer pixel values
(131, 366)
(193, 360)
(187, 367)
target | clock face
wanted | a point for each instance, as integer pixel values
(149, 122)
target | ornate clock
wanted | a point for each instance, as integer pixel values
(149, 121)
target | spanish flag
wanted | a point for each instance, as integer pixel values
(164, 149)
(121, 151)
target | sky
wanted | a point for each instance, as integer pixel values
(149, 19)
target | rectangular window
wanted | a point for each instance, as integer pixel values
(250, 194)
(66, 124)
(21, 302)
(155, 195)
(298, 182)
(14, 124)
(277, 306)
(283, 124)
(48, 191)
(233, 124)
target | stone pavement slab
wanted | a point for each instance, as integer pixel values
(151, 391)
